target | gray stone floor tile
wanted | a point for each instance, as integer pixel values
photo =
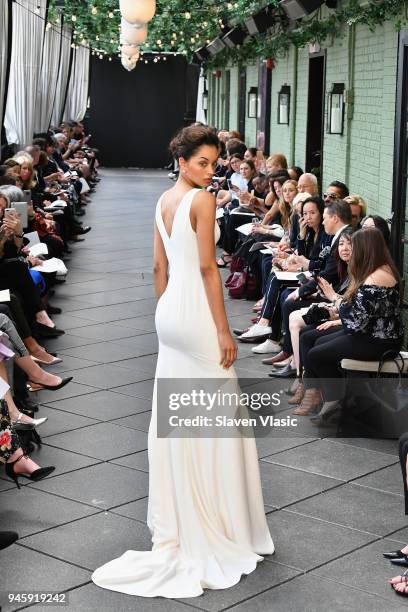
(63, 460)
(327, 458)
(107, 298)
(381, 446)
(136, 510)
(46, 574)
(67, 341)
(101, 441)
(358, 507)
(69, 363)
(146, 363)
(315, 594)
(367, 568)
(30, 510)
(145, 341)
(101, 314)
(269, 446)
(105, 352)
(59, 421)
(91, 543)
(91, 598)
(388, 479)
(73, 389)
(107, 376)
(143, 323)
(265, 576)
(139, 421)
(104, 332)
(305, 543)
(102, 405)
(137, 461)
(283, 486)
(101, 486)
(143, 389)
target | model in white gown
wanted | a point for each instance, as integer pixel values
(205, 512)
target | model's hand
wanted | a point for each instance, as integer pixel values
(228, 349)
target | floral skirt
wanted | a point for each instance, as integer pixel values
(9, 441)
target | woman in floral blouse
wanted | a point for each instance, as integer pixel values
(370, 312)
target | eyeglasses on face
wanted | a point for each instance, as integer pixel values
(331, 196)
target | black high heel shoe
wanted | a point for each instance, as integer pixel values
(42, 386)
(7, 538)
(36, 475)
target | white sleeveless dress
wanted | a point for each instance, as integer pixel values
(205, 511)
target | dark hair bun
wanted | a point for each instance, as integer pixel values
(191, 138)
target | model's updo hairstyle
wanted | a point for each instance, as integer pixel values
(188, 140)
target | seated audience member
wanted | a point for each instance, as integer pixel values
(276, 162)
(308, 183)
(336, 217)
(311, 332)
(312, 239)
(379, 223)
(295, 172)
(370, 312)
(335, 191)
(250, 154)
(358, 209)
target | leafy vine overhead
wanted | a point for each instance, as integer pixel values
(183, 27)
(179, 26)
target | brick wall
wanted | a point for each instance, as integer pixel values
(282, 74)
(250, 124)
(367, 147)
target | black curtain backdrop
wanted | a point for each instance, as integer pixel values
(133, 115)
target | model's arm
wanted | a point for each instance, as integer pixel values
(160, 264)
(203, 222)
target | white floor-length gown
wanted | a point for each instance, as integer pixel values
(205, 511)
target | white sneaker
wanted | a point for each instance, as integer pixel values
(269, 346)
(172, 175)
(257, 330)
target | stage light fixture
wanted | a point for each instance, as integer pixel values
(262, 21)
(296, 9)
(215, 46)
(234, 38)
(202, 54)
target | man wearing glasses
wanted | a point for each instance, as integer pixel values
(335, 191)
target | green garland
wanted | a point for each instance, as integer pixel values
(184, 27)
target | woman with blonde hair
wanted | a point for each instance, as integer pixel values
(358, 209)
(27, 173)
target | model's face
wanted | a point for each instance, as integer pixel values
(355, 214)
(289, 193)
(200, 168)
(311, 215)
(245, 171)
(345, 249)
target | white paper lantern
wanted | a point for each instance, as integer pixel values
(131, 51)
(133, 36)
(138, 11)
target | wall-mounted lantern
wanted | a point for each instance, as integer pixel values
(335, 114)
(205, 101)
(284, 105)
(253, 103)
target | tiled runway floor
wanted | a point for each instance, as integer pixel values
(333, 505)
